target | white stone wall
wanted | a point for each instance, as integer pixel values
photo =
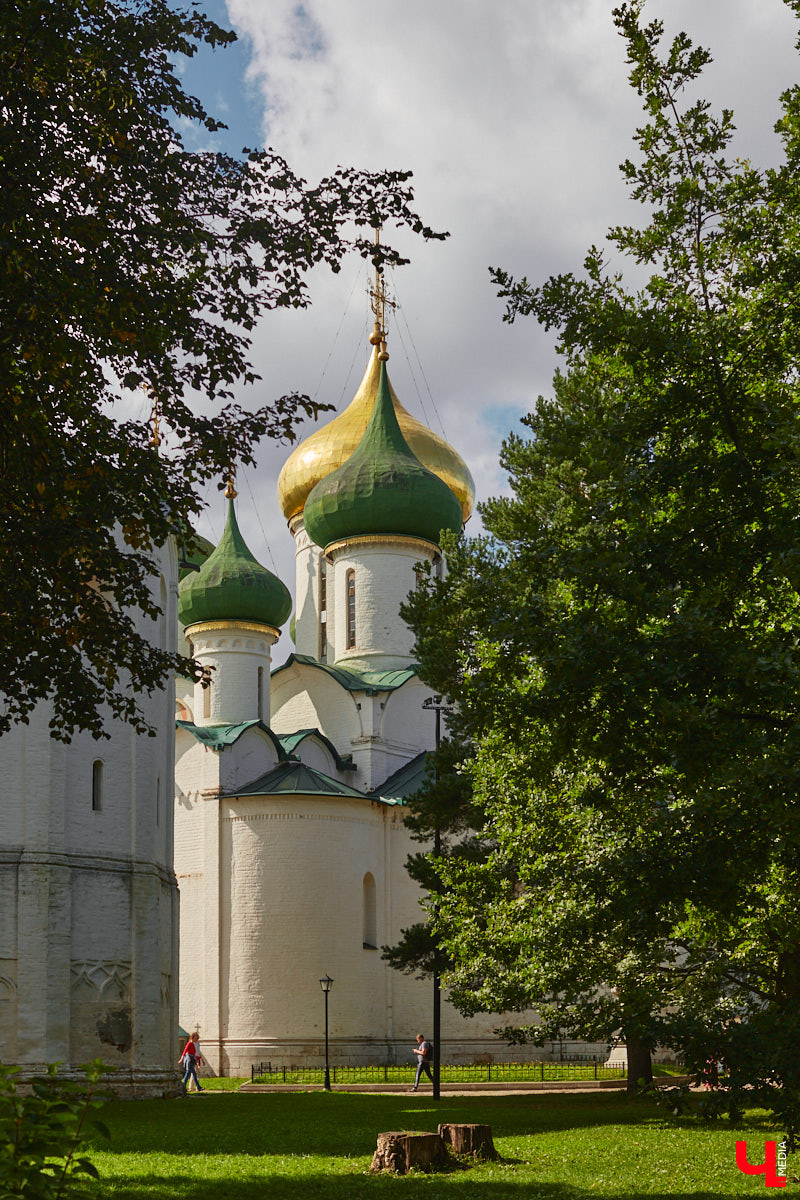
(382, 732)
(88, 908)
(200, 775)
(273, 899)
(314, 753)
(384, 576)
(233, 652)
(306, 590)
(305, 697)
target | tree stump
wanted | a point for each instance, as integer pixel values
(471, 1141)
(399, 1152)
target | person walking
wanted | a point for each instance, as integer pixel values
(189, 1061)
(424, 1052)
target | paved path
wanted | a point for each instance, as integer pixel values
(486, 1088)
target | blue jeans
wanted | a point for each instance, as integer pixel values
(423, 1065)
(191, 1072)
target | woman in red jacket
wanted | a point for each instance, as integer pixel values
(190, 1058)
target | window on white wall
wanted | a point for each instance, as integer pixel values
(261, 693)
(370, 913)
(350, 592)
(207, 700)
(97, 785)
(323, 611)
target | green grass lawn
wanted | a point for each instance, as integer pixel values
(317, 1146)
(506, 1072)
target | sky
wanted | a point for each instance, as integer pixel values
(514, 116)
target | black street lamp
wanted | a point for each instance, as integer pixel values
(437, 704)
(326, 983)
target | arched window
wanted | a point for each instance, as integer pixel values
(207, 700)
(261, 693)
(97, 785)
(323, 611)
(350, 592)
(369, 937)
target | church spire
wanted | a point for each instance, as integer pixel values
(379, 302)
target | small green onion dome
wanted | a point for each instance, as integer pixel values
(382, 488)
(232, 586)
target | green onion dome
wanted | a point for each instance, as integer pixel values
(382, 488)
(232, 586)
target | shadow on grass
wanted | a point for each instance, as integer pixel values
(312, 1146)
(348, 1123)
(370, 1187)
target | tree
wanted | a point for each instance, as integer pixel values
(624, 642)
(130, 262)
(441, 816)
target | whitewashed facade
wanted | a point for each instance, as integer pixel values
(88, 897)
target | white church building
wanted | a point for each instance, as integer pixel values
(290, 841)
(286, 848)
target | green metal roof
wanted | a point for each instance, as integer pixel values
(371, 682)
(381, 488)
(406, 779)
(231, 585)
(217, 737)
(290, 742)
(296, 779)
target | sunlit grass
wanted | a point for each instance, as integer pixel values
(315, 1145)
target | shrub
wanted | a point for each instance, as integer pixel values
(42, 1129)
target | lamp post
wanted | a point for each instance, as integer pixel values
(436, 704)
(326, 983)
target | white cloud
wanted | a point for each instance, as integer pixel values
(513, 116)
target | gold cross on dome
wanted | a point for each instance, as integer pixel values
(379, 302)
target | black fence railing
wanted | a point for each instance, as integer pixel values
(449, 1073)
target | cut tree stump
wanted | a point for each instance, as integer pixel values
(399, 1152)
(471, 1141)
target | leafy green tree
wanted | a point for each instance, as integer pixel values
(129, 261)
(43, 1130)
(624, 641)
(441, 816)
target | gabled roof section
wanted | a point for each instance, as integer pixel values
(405, 780)
(290, 742)
(296, 779)
(217, 737)
(371, 682)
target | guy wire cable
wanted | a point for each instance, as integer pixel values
(338, 331)
(419, 360)
(243, 474)
(359, 346)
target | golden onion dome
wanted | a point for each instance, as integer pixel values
(327, 449)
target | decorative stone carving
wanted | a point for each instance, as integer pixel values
(103, 978)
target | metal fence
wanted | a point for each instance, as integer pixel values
(449, 1073)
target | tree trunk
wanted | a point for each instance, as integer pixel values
(399, 1152)
(474, 1141)
(640, 1063)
